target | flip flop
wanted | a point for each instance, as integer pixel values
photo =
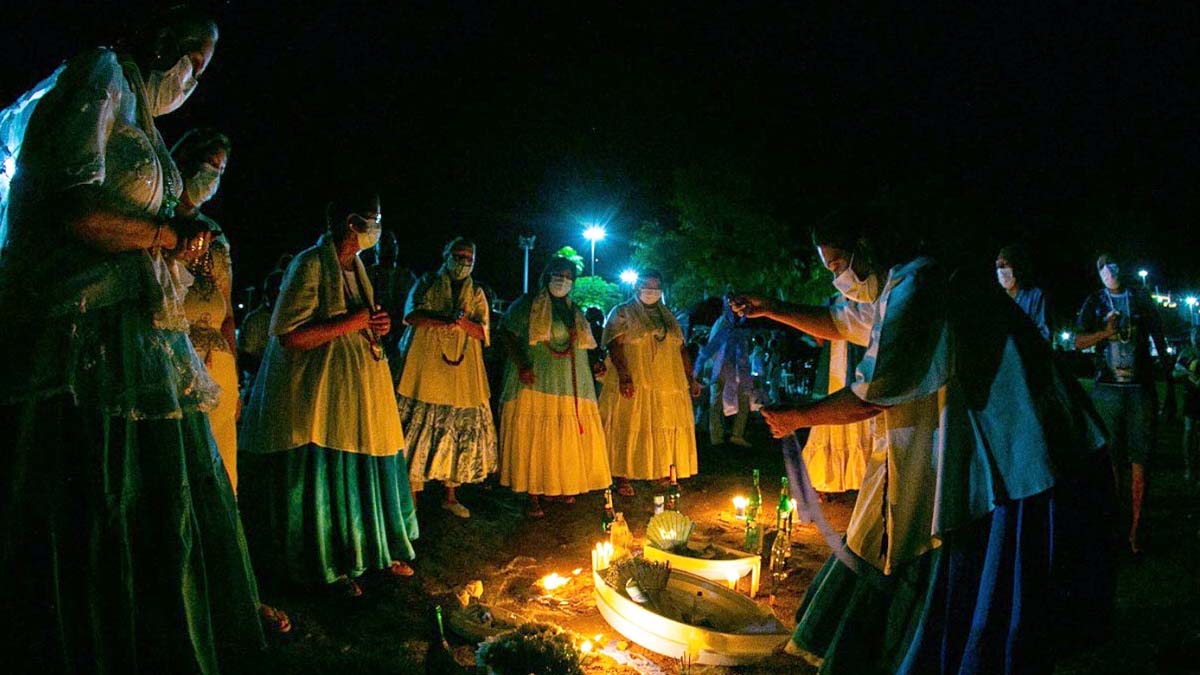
(274, 620)
(400, 569)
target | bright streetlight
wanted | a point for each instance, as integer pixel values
(1191, 301)
(629, 276)
(1143, 274)
(594, 233)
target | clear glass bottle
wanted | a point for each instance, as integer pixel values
(620, 537)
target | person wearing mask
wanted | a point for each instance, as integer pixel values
(1187, 371)
(982, 480)
(732, 387)
(255, 331)
(1120, 322)
(392, 283)
(201, 155)
(1015, 273)
(551, 438)
(647, 408)
(120, 541)
(326, 491)
(443, 393)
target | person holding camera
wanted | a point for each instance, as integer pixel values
(1120, 322)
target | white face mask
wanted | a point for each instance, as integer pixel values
(203, 184)
(458, 270)
(560, 287)
(371, 236)
(855, 289)
(1109, 274)
(1006, 277)
(650, 296)
(166, 91)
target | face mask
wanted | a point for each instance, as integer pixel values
(855, 289)
(458, 270)
(1005, 275)
(166, 91)
(369, 238)
(560, 287)
(650, 296)
(1108, 274)
(203, 184)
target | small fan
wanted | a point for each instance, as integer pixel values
(669, 531)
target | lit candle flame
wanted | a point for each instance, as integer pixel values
(553, 581)
(586, 647)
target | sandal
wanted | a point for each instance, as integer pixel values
(346, 587)
(274, 621)
(400, 569)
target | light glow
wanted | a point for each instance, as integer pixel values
(594, 233)
(739, 507)
(553, 581)
(1066, 335)
(629, 277)
(1143, 274)
(1191, 301)
(586, 647)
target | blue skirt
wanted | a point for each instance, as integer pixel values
(1007, 594)
(314, 515)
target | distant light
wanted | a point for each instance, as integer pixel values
(1191, 301)
(241, 305)
(1066, 335)
(629, 277)
(1143, 273)
(594, 233)
(1170, 350)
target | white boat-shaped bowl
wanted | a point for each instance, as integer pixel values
(748, 632)
(721, 571)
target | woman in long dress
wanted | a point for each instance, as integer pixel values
(551, 437)
(836, 455)
(120, 541)
(443, 393)
(981, 539)
(326, 487)
(201, 156)
(647, 410)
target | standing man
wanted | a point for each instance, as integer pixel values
(392, 282)
(1014, 271)
(1120, 321)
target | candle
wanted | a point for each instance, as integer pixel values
(739, 507)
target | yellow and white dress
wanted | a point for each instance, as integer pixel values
(551, 436)
(206, 308)
(836, 455)
(443, 396)
(654, 429)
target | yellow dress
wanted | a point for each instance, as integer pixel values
(443, 395)
(551, 436)
(654, 429)
(836, 454)
(206, 309)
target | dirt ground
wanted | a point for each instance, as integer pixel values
(388, 630)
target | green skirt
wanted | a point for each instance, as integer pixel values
(120, 545)
(317, 514)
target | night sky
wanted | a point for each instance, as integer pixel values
(1069, 126)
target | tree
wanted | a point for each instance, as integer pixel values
(571, 254)
(723, 240)
(596, 292)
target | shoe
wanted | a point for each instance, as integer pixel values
(457, 509)
(740, 442)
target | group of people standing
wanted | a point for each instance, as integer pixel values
(128, 439)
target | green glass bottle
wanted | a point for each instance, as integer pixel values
(674, 498)
(609, 515)
(754, 504)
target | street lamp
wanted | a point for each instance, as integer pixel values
(1143, 274)
(594, 233)
(526, 244)
(629, 277)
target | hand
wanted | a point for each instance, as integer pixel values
(599, 369)
(782, 420)
(190, 249)
(527, 377)
(380, 323)
(626, 387)
(695, 388)
(1111, 323)
(750, 306)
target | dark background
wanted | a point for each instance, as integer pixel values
(1071, 126)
